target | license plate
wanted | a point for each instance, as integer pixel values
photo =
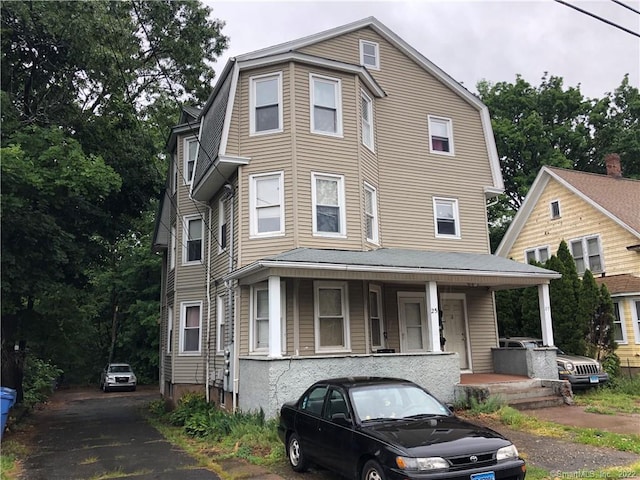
(484, 476)
(594, 379)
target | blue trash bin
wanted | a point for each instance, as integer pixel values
(8, 397)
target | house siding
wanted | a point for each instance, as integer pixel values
(407, 169)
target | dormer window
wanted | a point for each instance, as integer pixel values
(369, 55)
(266, 104)
(190, 152)
(555, 209)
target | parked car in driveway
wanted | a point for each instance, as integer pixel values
(117, 376)
(373, 428)
(581, 372)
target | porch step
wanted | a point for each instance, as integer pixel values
(537, 402)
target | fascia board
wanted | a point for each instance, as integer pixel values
(523, 213)
(359, 70)
(226, 126)
(268, 264)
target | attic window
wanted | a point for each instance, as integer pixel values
(555, 209)
(369, 55)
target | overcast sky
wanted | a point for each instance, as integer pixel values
(470, 40)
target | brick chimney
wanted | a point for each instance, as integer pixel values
(612, 161)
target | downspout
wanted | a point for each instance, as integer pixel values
(208, 353)
(230, 302)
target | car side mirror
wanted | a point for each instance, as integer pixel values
(340, 419)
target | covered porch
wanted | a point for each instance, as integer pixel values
(429, 317)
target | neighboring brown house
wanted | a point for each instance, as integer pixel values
(599, 218)
(326, 216)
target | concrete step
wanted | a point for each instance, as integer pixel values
(537, 402)
(509, 395)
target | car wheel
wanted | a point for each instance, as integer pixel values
(105, 389)
(133, 389)
(372, 471)
(297, 459)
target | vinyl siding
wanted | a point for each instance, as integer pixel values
(578, 219)
(406, 167)
(482, 329)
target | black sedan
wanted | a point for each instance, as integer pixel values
(371, 428)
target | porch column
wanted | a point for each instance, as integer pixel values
(433, 317)
(545, 314)
(275, 331)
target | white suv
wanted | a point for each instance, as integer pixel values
(118, 376)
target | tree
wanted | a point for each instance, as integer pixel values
(588, 306)
(83, 85)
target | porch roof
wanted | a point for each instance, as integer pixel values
(471, 269)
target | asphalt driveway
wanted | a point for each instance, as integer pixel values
(82, 436)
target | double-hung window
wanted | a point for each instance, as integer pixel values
(619, 333)
(587, 255)
(174, 174)
(172, 250)
(220, 323)
(369, 54)
(440, 135)
(191, 323)
(267, 204)
(371, 213)
(266, 104)
(367, 121)
(222, 226)
(331, 317)
(190, 152)
(635, 313)
(376, 325)
(259, 332)
(326, 105)
(447, 219)
(169, 329)
(193, 246)
(327, 192)
(538, 254)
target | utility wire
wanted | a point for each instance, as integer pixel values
(609, 22)
(626, 6)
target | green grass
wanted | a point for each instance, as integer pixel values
(608, 401)
(9, 459)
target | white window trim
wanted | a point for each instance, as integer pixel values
(185, 160)
(635, 319)
(377, 64)
(621, 305)
(371, 189)
(252, 104)
(338, 97)
(253, 213)
(169, 328)
(221, 221)
(378, 290)
(456, 216)
(174, 174)
(220, 323)
(173, 251)
(283, 319)
(183, 317)
(449, 124)
(343, 286)
(551, 209)
(585, 252)
(367, 99)
(536, 251)
(342, 233)
(185, 240)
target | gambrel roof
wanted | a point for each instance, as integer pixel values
(616, 197)
(213, 164)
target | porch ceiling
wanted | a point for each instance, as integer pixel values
(397, 265)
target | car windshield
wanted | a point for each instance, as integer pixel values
(395, 402)
(120, 369)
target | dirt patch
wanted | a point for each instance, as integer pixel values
(576, 416)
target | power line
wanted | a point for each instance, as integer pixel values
(626, 6)
(609, 22)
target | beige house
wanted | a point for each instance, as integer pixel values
(326, 216)
(599, 218)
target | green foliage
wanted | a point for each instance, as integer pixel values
(625, 385)
(490, 405)
(40, 379)
(190, 403)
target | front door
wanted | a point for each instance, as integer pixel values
(413, 322)
(454, 323)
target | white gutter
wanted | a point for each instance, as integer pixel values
(230, 302)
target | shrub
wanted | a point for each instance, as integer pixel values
(490, 405)
(190, 404)
(40, 380)
(611, 365)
